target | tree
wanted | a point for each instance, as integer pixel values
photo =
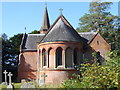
(10, 49)
(97, 76)
(15, 42)
(0, 50)
(6, 46)
(35, 32)
(100, 19)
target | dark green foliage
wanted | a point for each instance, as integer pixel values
(97, 76)
(100, 19)
(10, 49)
(15, 49)
(0, 48)
(35, 32)
(6, 46)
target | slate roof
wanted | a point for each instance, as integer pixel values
(87, 36)
(61, 30)
(30, 41)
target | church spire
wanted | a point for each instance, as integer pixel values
(45, 23)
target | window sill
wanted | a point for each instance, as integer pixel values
(60, 67)
(44, 66)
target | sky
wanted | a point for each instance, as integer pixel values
(18, 15)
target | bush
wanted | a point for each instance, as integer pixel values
(97, 76)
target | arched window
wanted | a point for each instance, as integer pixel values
(44, 57)
(75, 56)
(59, 56)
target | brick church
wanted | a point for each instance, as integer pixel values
(53, 54)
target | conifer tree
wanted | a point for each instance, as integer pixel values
(101, 20)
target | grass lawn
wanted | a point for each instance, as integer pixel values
(2, 86)
(18, 85)
(50, 86)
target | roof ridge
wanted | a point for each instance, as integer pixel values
(93, 38)
(68, 33)
(50, 28)
(36, 34)
(66, 21)
(87, 32)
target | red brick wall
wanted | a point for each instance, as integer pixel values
(52, 46)
(99, 44)
(28, 60)
(57, 76)
(27, 65)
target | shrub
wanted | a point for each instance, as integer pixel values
(97, 76)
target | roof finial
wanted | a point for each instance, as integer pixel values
(61, 10)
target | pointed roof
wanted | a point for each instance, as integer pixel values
(45, 22)
(23, 41)
(61, 30)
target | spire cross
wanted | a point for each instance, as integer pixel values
(45, 4)
(10, 74)
(61, 10)
(5, 72)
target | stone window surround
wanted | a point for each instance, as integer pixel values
(63, 57)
